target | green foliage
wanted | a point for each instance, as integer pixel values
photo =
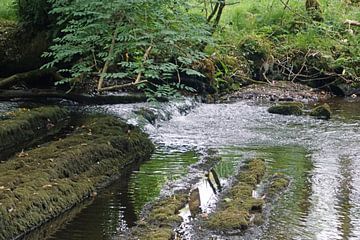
(152, 39)
(287, 33)
(7, 10)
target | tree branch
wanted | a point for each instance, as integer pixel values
(107, 63)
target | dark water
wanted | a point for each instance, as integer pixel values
(321, 157)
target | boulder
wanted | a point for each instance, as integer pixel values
(321, 112)
(290, 108)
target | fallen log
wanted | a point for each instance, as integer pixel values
(80, 98)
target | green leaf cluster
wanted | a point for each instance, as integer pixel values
(119, 32)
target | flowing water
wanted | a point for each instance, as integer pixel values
(321, 157)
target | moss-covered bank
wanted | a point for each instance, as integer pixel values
(26, 127)
(44, 182)
(234, 212)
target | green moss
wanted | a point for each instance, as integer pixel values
(44, 182)
(155, 233)
(27, 127)
(229, 220)
(291, 108)
(162, 218)
(235, 211)
(321, 112)
(278, 183)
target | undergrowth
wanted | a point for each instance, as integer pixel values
(7, 10)
(294, 46)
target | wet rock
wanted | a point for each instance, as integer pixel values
(148, 114)
(46, 181)
(321, 112)
(194, 202)
(278, 91)
(291, 108)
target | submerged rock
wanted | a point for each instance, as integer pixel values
(290, 108)
(321, 112)
(42, 183)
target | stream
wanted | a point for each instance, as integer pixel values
(321, 157)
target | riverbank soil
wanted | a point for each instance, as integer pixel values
(39, 184)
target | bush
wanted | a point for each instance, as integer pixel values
(126, 40)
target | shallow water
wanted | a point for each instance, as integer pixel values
(321, 157)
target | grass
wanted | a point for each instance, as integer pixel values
(269, 28)
(7, 10)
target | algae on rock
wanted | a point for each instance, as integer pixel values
(162, 218)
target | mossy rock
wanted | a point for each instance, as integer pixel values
(321, 112)
(46, 181)
(291, 108)
(148, 114)
(278, 183)
(234, 213)
(228, 220)
(162, 218)
(24, 128)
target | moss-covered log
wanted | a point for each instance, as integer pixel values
(44, 182)
(24, 128)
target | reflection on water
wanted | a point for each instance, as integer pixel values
(146, 183)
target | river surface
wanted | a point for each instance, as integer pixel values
(321, 157)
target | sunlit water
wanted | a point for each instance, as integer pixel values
(321, 157)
